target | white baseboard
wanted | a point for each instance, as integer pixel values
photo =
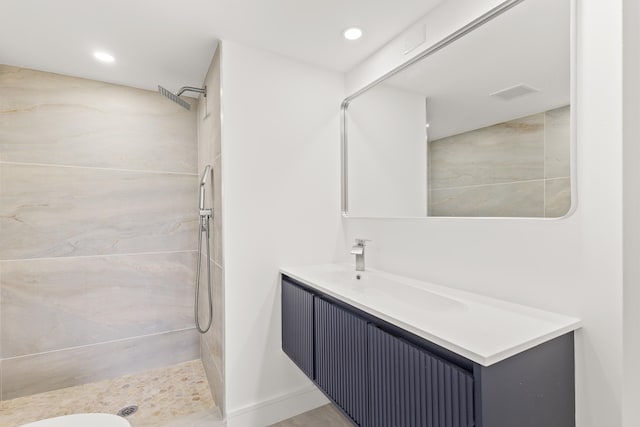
(279, 408)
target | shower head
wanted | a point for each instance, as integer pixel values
(175, 97)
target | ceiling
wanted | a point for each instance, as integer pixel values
(171, 42)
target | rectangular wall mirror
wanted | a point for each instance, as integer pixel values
(478, 125)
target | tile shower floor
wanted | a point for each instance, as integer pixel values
(174, 396)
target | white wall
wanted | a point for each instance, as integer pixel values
(280, 140)
(281, 204)
(387, 153)
(573, 265)
(631, 151)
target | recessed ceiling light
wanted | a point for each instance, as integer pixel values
(103, 57)
(352, 33)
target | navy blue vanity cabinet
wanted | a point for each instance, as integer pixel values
(341, 359)
(535, 388)
(380, 375)
(410, 387)
(297, 326)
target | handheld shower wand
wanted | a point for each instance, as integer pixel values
(203, 181)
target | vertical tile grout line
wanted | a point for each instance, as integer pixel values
(544, 165)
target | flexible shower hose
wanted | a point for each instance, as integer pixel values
(204, 228)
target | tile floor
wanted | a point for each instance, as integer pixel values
(174, 396)
(324, 416)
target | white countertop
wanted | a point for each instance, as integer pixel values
(482, 329)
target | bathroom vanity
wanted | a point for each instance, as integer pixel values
(391, 351)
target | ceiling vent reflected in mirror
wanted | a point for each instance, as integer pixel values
(514, 92)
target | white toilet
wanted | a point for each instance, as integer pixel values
(82, 420)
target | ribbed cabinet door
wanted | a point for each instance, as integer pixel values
(297, 326)
(341, 359)
(412, 388)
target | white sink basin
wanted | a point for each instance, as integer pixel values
(371, 286)
(482, 329)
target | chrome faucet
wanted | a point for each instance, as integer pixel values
(358, 251)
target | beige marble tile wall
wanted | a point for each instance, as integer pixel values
(210, 153)
(98, 196)
(519, 168)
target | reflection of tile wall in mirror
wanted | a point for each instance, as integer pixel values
(514, 199)
(557, 163)
(557, 197)
(517, 168)
(506, 152)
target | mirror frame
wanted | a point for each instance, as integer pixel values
(461, 32)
